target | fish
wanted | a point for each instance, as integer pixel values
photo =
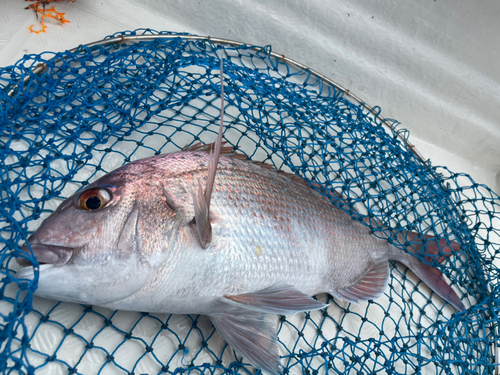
(203, 231)
(129, 241)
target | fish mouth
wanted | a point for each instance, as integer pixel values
(45, 254)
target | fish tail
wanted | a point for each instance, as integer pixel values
(436, 250)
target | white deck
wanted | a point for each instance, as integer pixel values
(432, 65)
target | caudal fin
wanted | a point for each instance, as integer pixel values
(437, 250)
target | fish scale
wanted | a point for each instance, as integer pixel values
(306, 242)
(272, 243)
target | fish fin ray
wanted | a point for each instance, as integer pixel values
(202, 199)
(129, 230)
(280, 298)
(169, 201)
(202, 218)
(371, 286)
(252, 334)
(434, 250)
(434, 279)
(229, 151)
(272, 168)
(201, 147)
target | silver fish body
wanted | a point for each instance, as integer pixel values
(267, 229)
(141, 251)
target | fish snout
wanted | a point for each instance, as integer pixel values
(45, 254)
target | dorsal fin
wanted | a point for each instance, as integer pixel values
(270, 167)
(225, 150)
(202, 198)
(339, 197)
(229, 151)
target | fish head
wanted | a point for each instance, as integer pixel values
(88, 249)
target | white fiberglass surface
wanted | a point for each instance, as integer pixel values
(430, 65)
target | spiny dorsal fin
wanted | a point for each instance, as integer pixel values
(229, 151)
(225, 150)
(339, 197)
(271, 167)
(202, 198)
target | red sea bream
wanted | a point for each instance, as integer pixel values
(199, 233)
(130, 241)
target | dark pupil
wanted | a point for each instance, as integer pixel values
(93, 203)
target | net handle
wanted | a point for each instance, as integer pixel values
(40, 68)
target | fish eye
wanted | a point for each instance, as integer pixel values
(94, 199)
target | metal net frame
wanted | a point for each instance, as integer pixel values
(68, 118)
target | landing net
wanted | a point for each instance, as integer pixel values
(87, 112)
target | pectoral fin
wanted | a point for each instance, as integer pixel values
(252, 335)
(278, 299)
(202, 198)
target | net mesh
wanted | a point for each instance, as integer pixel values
(100, 107)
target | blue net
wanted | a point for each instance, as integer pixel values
(90, 111)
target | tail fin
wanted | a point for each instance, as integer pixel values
(436, 252)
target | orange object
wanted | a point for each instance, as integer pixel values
(42, 30)
(39, 8)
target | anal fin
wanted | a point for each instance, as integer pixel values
(252, 334)
(371, 286)
(280, 298)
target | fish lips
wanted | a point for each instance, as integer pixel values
(46, 254)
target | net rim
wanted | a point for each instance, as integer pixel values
(121, 38)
